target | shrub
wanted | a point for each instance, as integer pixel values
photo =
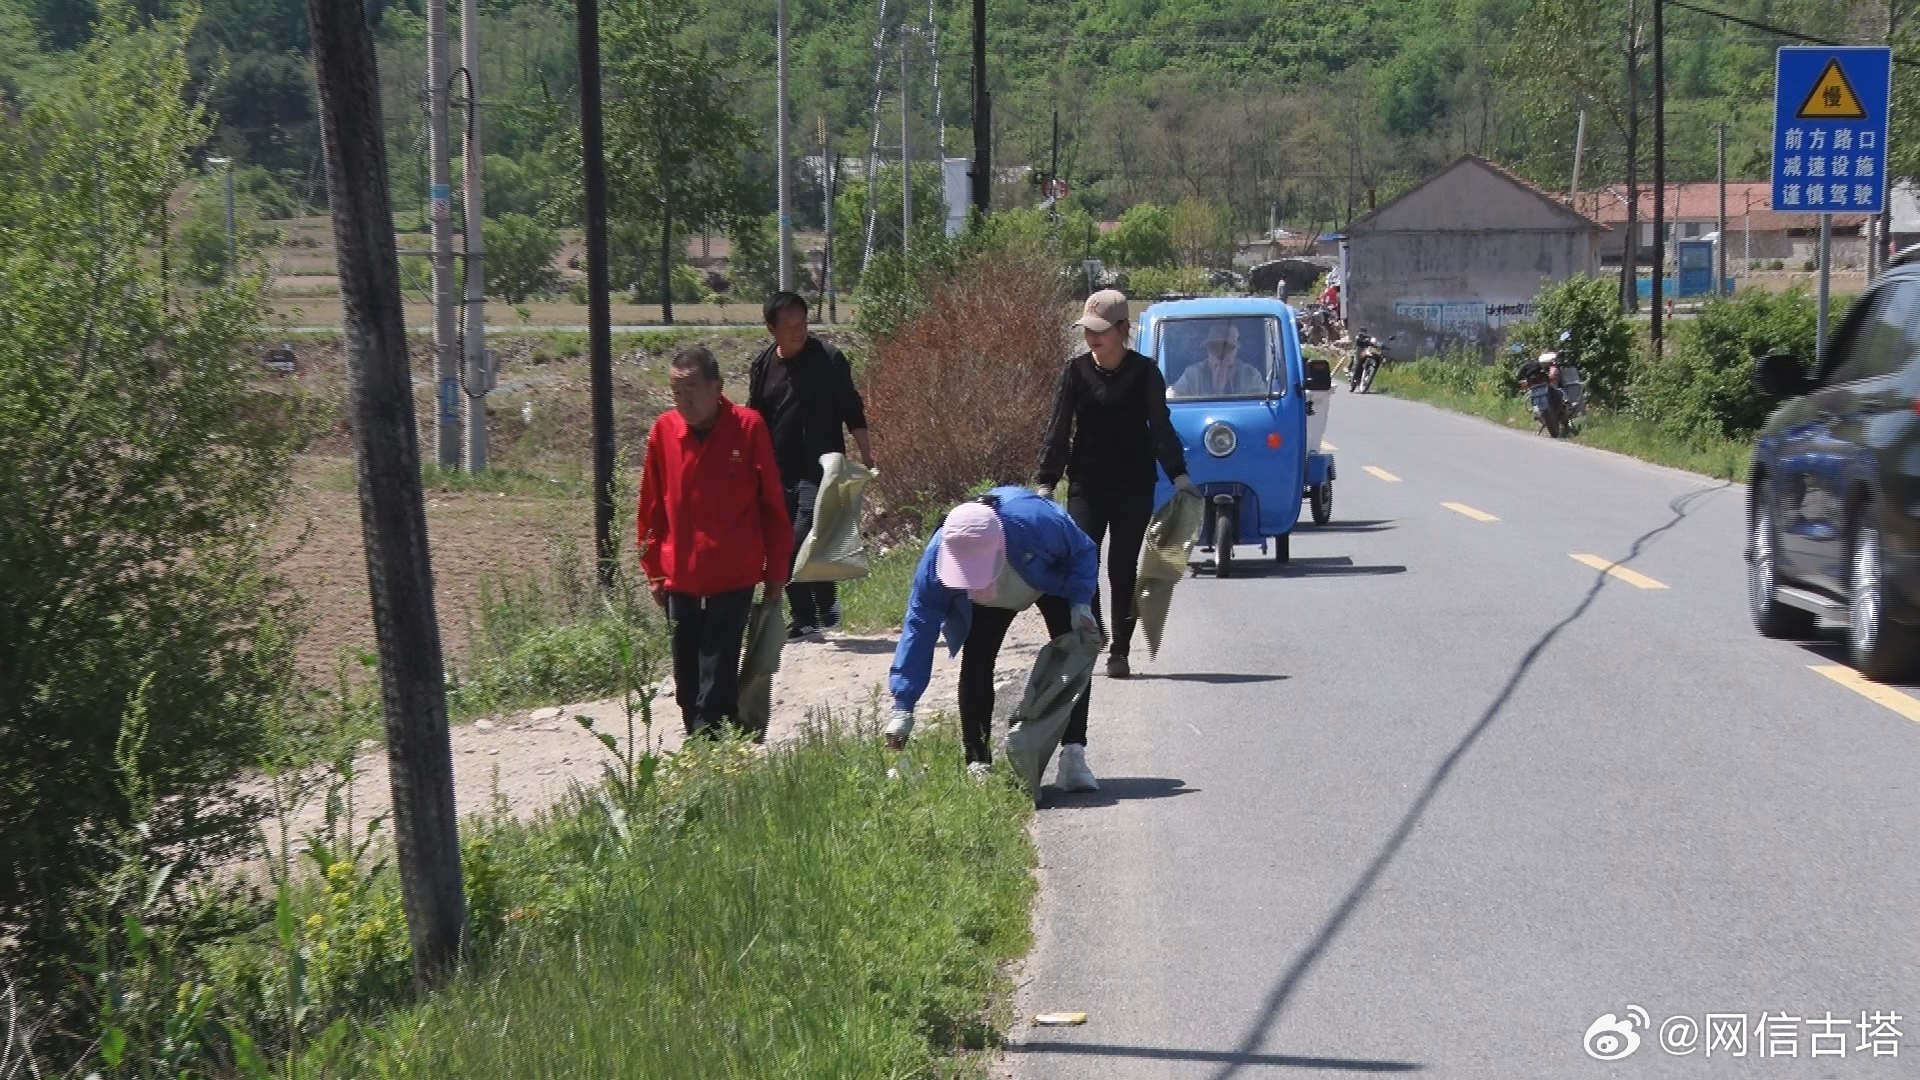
(143, 470)
(961, 391)
(1705, 384)
(1602, 343)
(519, 260)
(1143, 237)
(1151, 281)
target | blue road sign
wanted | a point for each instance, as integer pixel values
(1830, 129)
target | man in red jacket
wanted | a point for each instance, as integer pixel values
(713, 524)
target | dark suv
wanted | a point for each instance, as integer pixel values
(1833, 503)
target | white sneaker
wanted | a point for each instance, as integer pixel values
(978, 770)
(1072, 774)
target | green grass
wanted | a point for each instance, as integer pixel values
(1478, 392)
(875, 603)
(801, 916)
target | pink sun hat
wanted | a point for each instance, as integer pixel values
(972, 547)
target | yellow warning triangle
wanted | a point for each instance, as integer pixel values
(1832, 97)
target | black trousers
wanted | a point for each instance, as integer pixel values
(707, 632)
(1125, 515)
(809, 602)
(977, 657)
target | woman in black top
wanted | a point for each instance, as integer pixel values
(1108, 428)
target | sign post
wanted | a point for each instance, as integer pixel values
(1830, 139)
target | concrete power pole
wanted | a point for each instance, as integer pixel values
(1659, 174)
(780, 149)
(446, 371)
(906, 154)
(1720, 224)
(479, 378)
(393, 518)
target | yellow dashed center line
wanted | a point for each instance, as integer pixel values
(1637, 580)
(1902, 703)
(1468, 511)
(1383, 474)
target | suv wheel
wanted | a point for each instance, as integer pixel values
(1879, 647)
(1771, 617)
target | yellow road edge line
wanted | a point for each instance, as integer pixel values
(1468, 511)
(1383, 474)
(1634, 578)
(1904, 704)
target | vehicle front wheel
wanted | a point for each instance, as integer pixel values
(1771, 617)
(1226, 529)
(1322, 503)
(1878, 647)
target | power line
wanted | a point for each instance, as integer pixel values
(1776, 31)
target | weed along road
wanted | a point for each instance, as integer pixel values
(1494, 780)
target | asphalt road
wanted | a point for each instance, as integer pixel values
(1439, 795)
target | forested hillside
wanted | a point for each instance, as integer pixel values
(1294, 107)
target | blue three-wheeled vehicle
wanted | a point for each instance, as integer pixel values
(1250, 410)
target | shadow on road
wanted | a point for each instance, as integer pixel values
(1214, 678)
(1290, 981)
(865, 646)
(1381, 525)
(1830, 647)
(1318, 566)
(1169, 1053)
(1117, 789)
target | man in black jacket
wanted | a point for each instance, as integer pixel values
(803, 388)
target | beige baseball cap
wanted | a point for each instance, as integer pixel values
(1104, 309)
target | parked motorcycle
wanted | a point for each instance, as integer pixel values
(1367, 360)
(1319, 321)
(1555, 391)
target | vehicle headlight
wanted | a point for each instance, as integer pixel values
(1219, 439)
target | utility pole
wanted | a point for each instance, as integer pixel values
(473, 314)
(982, 115)
(873, 146)
(906, 154)
(933, 57)
(446, 371)
(1720, 224)
(393, 519)
(1630, 247)
(599, 312)
(1826, 263)
(1883, 243)
(831, 167)
(1579, 151)
(780, 149)
(1659, 172)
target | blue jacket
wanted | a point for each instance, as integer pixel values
(1044, 547)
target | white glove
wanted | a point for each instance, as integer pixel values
(1184, 485)
(899, 726)
(1045, 491)
(1086, 624)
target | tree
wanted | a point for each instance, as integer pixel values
(144, 464)
(1143, 237)
(520, 253)
(393, 516)
(1202, 231)
(673, 134)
